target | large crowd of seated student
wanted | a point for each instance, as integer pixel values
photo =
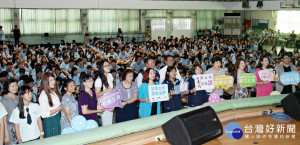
(43, 87)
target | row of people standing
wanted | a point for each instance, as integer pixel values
(57, 111)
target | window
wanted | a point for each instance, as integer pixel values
(129, 20)
(158, 24)
(6, 20)
(181, 24)
(288, 21)
(37, 21)
(108, 21)
(208, 18)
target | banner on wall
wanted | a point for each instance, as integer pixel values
(223, 82)
(158, 93)
(267, 75)
(247, 80)
(204, 82)
(290, 78)
(111, 100)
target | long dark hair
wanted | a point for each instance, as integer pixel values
(45, 87)
(169, 69)
(83, 79)
(260, 65)
(100, 73)
(6, 85)
(23, 90)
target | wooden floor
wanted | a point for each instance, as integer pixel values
(247, 116)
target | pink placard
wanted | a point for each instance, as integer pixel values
(111, 99)
(266, 75)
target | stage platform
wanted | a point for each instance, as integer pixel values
(146, 130)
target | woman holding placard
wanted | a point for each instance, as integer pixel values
(216, 70)
(129, 90)
(174, 102)
(147, 108)
(263, 88)
(104, 84)
(199, 97)
(87, 100)
(239, 92)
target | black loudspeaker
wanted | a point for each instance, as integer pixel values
(193, 128)
(291, 105)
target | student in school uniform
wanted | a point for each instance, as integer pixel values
(174, 102)
(27, 117)
(10, 101)
(50, 105)
(3, 113)
(199, 97)
(75, 76)
(70, 104)
(129, 90)
(146, 108)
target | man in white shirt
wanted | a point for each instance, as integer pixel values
(149, 63)
(169, 61)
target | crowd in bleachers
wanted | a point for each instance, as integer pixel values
(44, 86)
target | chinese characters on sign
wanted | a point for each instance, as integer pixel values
(289, 78)
(204, 82)
(158, 93)
(111, 99)
(266, 75)
(270, 131)
(223, 82)
(247, 80)
(184, 86)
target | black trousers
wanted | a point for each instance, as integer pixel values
(17, 39)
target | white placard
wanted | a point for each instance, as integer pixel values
(158, 93)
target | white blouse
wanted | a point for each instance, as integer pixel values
(44, 104)
(27, 132)
(110, 79)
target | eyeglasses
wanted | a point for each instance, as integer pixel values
(106, 65)
(89, 80)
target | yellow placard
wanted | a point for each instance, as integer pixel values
(223, 82)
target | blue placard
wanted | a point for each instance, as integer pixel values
(177, 89)
(288, 78)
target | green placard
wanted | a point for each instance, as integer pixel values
(247, 80)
